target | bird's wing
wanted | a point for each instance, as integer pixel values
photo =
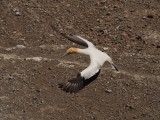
(73, 86)
(76, 84)
(73, 38)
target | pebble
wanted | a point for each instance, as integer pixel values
(130, 106)
(150, 16)
(4, 98)
(134, 117)
(18, 13)
(68, 5)
(105, 48)
(108, 91)
(138, 37)
(158, 46)
(20, 46)
(102, 1)
(113, 75)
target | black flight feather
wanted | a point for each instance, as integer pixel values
(76, 84)
(70, 37)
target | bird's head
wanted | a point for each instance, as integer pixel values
(71, 50)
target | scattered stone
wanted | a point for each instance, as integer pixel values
(93, 117)
(10, 77)
(113, 75)
(105, 48)
(20, 46)
(4, 98)
(102, 1)
(99, 20)
(108, 13)
(108, 91)
(138, 37)
(103, 100)
(68, 5)
(144, 17)
(9, 49)
(129, 106)
(150, 16)
(158, 46)
(38, 91)
(18, 13)
(14, 90)
(134, 117)
(49, 68)
(91, 29)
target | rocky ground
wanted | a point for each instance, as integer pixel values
(31, 65)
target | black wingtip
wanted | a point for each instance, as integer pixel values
(72, 86)
(70, 37)
(54, 28)
(77, 84)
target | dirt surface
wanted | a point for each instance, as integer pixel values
(31, 65)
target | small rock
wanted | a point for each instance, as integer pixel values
(144, 17)
(108, 91)
(130, 106)
(38, 91)
(138, 37)
(103, 100)
(134, 117)
(158, 46)
(105, 48)
(49, 68)
(18, 13)
(93, 117)
(68, 5)
(108, 13)
(113, 75)
(23, 39)
(102, 1)
(150, 16)
(4, 98)
(20, 46)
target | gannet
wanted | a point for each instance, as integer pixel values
(89, 74)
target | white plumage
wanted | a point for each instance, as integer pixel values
(97, 59)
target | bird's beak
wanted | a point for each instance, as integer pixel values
(66, 53)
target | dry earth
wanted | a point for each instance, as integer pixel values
(31, 65)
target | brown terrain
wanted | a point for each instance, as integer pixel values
(31, 65)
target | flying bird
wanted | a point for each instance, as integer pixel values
(89, 74)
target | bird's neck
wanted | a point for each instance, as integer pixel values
(82, 51)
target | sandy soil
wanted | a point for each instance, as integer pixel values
(31, 65)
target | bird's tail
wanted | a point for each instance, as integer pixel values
(109, 59)
(114, 66)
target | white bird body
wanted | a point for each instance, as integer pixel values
(97, 59)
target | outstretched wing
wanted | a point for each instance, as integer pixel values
(73, 38)
(76, 84)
